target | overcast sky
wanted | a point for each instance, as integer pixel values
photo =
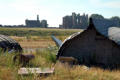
(14, 12)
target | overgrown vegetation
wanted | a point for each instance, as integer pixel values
(37, 31)
(45, 56)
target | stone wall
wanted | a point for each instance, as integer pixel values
(75, 21)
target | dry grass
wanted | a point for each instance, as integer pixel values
(36, 44)
(36, 41)
(46, 58)
(65, 72)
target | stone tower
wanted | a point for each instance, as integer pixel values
(37, 17)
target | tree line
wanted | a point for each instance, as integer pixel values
(98, 16)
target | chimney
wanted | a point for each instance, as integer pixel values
(37, 17)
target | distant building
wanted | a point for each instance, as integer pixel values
(67, 22)
(75, 21)
(36, 23)
(44, 23)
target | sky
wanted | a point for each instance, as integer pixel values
(14, 12)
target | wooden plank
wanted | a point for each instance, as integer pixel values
(26, 71)
(69, 60)
(61, 58)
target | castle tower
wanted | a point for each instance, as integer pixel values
(37, 17)
(74, 20)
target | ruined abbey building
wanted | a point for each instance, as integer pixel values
(36, 23)
(77, 21)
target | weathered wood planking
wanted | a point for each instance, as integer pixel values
(26, 71)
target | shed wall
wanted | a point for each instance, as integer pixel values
(92, 48)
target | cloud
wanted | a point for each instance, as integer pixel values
(26, 5)
(105, 4)
(112, 4)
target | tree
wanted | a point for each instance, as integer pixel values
(115, 18)
(97, 16)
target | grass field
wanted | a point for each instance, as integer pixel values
(36, 41)
(37, 31)
(45, 57)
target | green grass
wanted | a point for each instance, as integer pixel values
(37, 31)
(43, 58)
